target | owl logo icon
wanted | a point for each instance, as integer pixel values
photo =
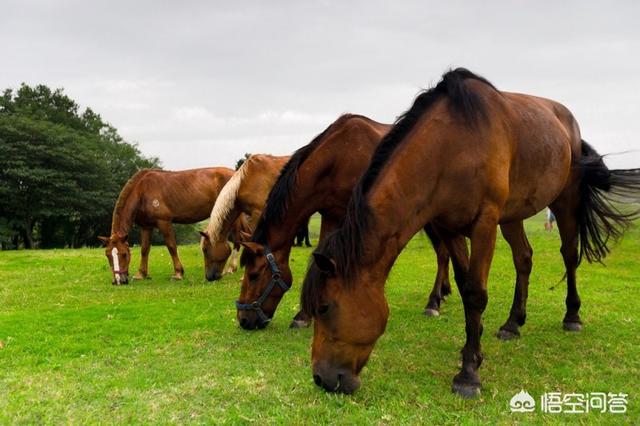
(522, 402)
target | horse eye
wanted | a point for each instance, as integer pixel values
(323, 309)
(253, 276)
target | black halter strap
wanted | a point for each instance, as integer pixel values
(276, 279)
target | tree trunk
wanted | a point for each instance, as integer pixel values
(27, 234)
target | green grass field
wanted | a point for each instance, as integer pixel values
(76, 349)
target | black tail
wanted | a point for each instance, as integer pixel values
(603, 193)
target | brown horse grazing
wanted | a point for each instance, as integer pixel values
(465, 157)
(246, 192)
(156, 199)
(320, 177)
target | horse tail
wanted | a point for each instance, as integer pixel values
(604, 212)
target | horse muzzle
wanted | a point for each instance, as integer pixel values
(335, 380)
(120, 279)
(212, 275)
(249, 320)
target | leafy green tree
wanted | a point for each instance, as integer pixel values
(60, 170)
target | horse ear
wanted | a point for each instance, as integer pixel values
(251, 246)
(245, 236)
(105, 240)
(204, 234)
(325, 263)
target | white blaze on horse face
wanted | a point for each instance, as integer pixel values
(116, 264)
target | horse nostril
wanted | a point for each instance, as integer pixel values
(244, 323)
(317, 380)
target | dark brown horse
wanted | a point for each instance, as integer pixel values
(465, 157)
(320, 177)
(245, 193)
(156, 199)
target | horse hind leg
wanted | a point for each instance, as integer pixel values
(441, 286)
(568, 228)
(522, 260)
(301, 320)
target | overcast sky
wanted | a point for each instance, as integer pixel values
(200, 83)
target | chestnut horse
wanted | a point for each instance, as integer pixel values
(245, 193)
(155, 199)
(465, 157)
(320, 177)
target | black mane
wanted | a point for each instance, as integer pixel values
(345, 246)
(280, 195)
(278, 199)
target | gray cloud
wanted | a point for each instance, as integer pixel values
(200, 83)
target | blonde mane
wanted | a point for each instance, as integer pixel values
(225, 203)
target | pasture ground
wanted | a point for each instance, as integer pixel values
(75, 349)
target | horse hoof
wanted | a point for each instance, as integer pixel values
(299, 324)
(507, 334)
(430, 312)
(466, 391)
(176, 278)
(572, 326)
(138, 277)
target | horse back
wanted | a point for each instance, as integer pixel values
(181, 196)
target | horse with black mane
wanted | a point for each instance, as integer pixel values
(465, 158)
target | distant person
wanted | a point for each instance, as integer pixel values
(548, 224)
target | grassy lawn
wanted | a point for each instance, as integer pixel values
(76, 349)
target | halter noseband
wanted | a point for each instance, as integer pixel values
(276, 279)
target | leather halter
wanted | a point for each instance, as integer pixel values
(276, 279)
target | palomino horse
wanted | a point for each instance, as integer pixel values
(246, 192)
(465, 157)
(320, 177)
(156, 199)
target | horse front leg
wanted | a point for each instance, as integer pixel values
(327, 225)
(166, 229)
(522, 260)
(474, 297)
(145, 247)
(232, 265)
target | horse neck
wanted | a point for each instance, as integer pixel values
(280, 236)
(124, 212)
(391, 225)
(226, 209)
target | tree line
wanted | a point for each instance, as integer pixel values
(61, 170)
